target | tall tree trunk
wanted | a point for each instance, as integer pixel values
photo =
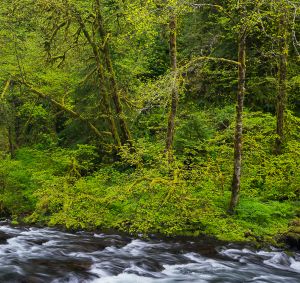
(174, 91)
(125, 132)
(101, 79)
(238, 139)
(282, 94)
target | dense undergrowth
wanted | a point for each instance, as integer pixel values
(141, 193)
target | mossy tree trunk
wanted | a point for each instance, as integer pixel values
(238, 139)
(174, 91)
(125, 132)
(101, 80)
(282, 89)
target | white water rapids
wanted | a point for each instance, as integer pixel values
(36, 255)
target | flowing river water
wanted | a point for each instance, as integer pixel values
(34, 255)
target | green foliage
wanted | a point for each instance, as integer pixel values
(143, 193)
(22, 177)
(193, 130)
(64, 74)
(16, 188)
(263, 214)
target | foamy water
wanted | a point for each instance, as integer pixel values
(47, 255)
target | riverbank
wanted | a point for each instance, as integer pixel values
(287, 238)
(137, 191)
(133, 203)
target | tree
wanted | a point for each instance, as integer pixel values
(242, 17)
(247, 13)
(238, 140)
(282, 79)
(174, 91)
(285, 22)
(126, 135)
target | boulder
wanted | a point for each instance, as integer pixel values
(292, 237)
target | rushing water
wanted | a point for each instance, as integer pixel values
(31, 255)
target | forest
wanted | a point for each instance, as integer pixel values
(178, 118)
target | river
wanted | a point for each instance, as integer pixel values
(34, 255)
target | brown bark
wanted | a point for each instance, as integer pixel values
(282, 90)
(174, 91)
(100, 73)
(238, 139)
(126, 135)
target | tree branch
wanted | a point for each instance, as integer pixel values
(5, 89)
(62, 107)
(206, 58)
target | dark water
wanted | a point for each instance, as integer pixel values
(47, 255)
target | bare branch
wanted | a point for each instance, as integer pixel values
(218, 7)
(206, 58)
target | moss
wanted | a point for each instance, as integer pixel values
(295, 230)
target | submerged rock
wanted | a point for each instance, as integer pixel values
(292, 237)
(3, 237)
